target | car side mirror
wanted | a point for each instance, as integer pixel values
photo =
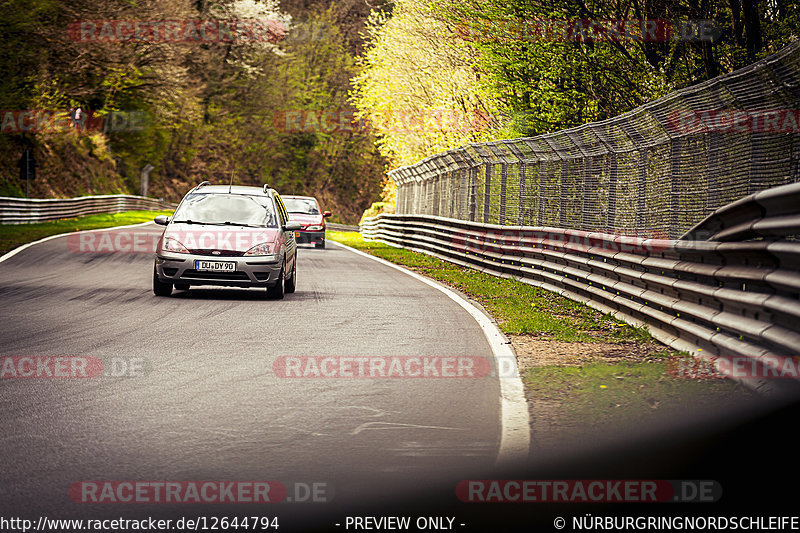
(161, 220)
(326, 214)
(292, 226)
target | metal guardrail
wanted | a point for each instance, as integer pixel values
(769, 214)
(341, 227)
(713, 299)
(24, 210)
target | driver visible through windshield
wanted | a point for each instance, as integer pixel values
(227, 209)
(301, 206)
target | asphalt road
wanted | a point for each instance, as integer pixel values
(208, 405)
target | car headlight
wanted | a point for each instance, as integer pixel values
(314, 228)
(265, 248)
(173, 245)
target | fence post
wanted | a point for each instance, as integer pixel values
(542, 183)
(521, 209)
(562, 191)
(641, 192)
(503, 176)
(588, 191)
(487, 189)
(611, 221)
(473, 192)
(675, 182)
(712, 171)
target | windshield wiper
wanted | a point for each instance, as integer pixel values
(243, 224)
(227, 223)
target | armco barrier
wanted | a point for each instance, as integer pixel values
(341, 227)
(710, 298)
(24, 210)
(770, 214)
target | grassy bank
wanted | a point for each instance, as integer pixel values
(12, 236)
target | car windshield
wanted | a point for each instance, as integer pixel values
(305, 206)
(233, 209)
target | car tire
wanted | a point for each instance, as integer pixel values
(181, 286)
(291, 284)
(276, 291)
(320, 244)
(159, 287)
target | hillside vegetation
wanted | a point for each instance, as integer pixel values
(203, 109)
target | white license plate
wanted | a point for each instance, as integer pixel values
(215, 266)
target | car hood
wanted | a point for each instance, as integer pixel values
(212, 237)
(305, 219)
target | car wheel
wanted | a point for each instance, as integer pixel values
(159, 287)
(182, 286)
(276, 291)
(320, 244)
(291, 283)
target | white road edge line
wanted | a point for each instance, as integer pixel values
(515, 435)
(18, 249)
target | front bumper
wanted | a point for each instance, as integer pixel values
(250, 271)
(309, 237)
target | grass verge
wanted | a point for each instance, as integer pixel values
(573, 403)
(585, 373)
(519, 308)
(12, 236)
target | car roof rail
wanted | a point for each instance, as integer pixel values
(203, 184)
(266, 188)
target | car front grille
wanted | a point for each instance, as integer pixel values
(222, 253)
(228, 276)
